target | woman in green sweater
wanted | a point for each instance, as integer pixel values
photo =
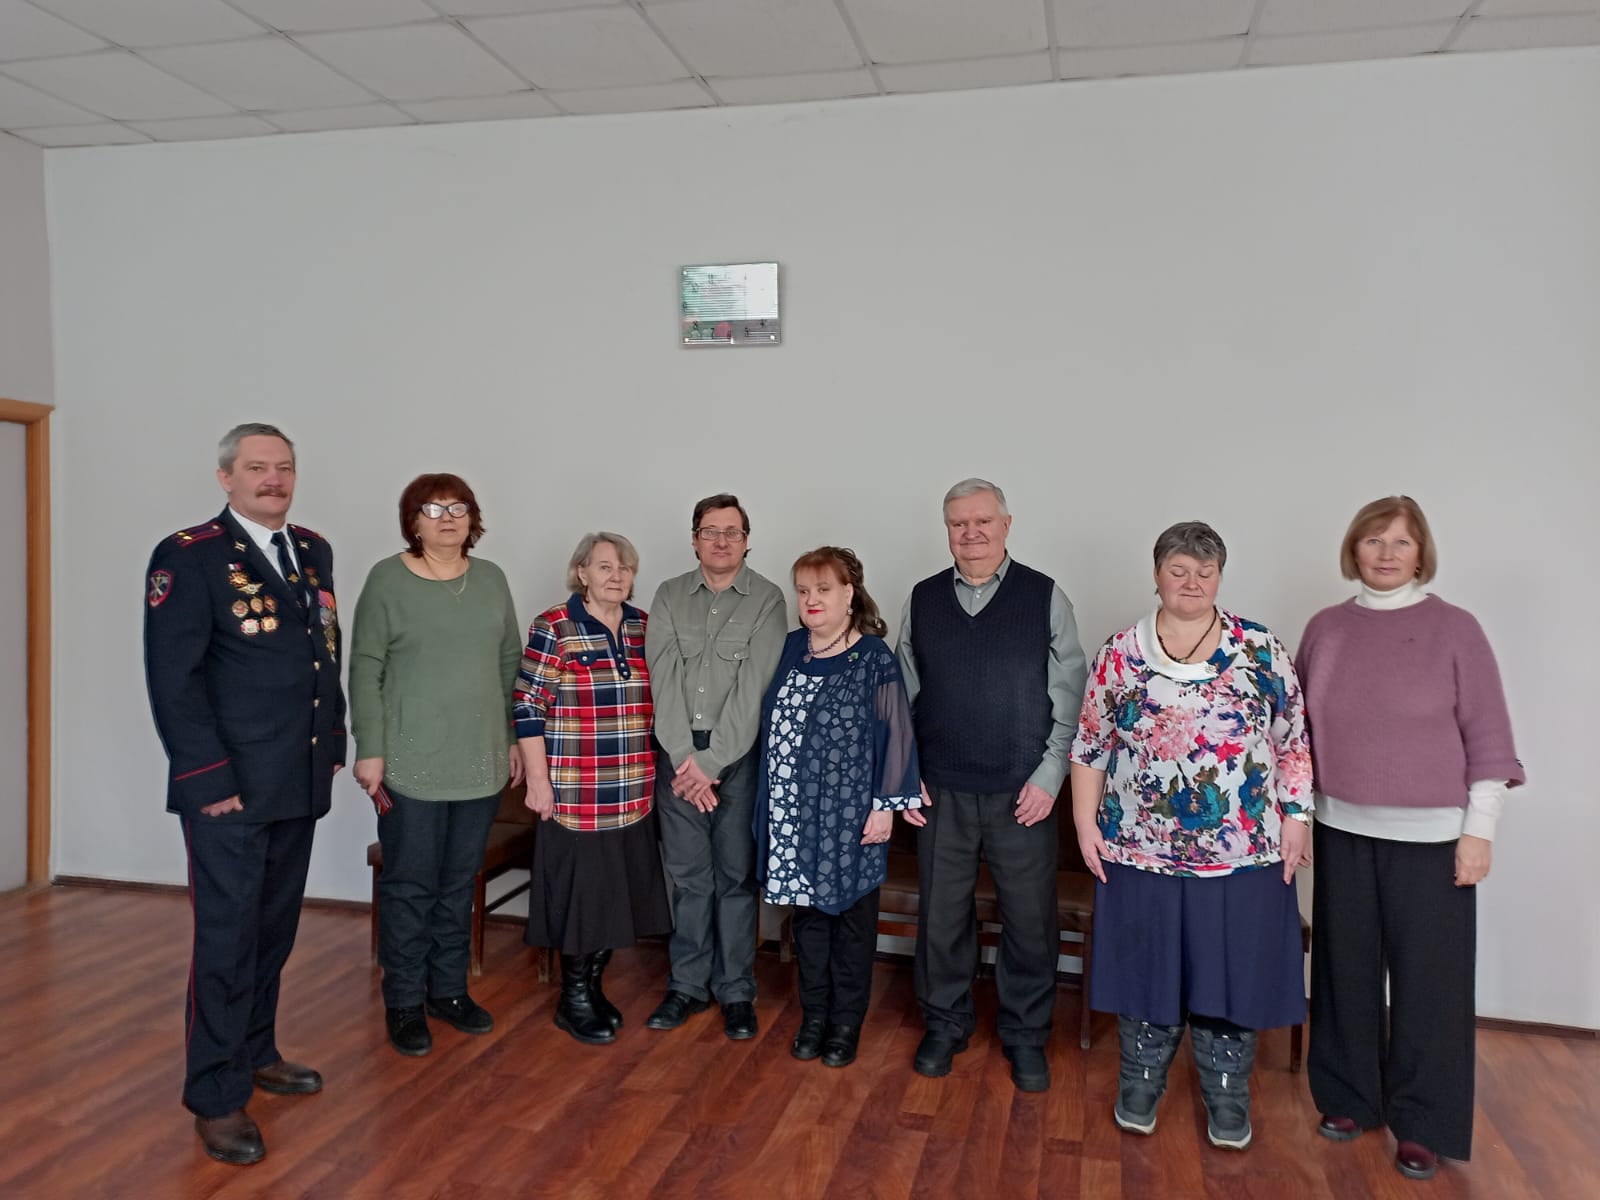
(434, 651)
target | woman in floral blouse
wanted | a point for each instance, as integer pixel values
(1194, 719)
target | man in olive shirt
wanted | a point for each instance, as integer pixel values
(713, 642)
(996, 678)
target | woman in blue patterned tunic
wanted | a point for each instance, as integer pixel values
(838, 760)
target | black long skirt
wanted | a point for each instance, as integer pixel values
(596, 889)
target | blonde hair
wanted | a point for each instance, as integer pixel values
(1376, 516)
(585, 551)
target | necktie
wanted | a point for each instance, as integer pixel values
(290, 575)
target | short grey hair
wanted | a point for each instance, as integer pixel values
(585, 551)
(1194, 538)
(228, 447)
(971, 487)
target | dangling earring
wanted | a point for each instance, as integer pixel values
(850, 610)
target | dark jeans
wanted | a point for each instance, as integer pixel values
(963, 829)
(1391, 908)
(834, 955)
(711, 858)
(432, 849)
(246, 883)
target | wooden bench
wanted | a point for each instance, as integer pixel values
(900, 897)
(510, 848)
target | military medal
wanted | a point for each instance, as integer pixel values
(272, 604)
(268, 624)
(250, 627)
(256, 606)
(241, 609)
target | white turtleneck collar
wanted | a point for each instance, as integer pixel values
(1408, 593)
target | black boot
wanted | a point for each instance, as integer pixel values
(575, 1013)
(1147, 1052)
(1223, 1059)
(603, 1008)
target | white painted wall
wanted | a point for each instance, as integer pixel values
(26, 373)
(1260, 299)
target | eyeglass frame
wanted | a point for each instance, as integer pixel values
(732, 536)
(443, 509)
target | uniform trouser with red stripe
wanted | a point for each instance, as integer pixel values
(246, 882)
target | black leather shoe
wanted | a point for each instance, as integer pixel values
(936, 1052)
(739, 1020)
(1030, 1069)
(231, 1139)
(288, 1079)
(808, 1042)
(675, 1010)
(839, 1049)
(463, 1012)
(408, 1030)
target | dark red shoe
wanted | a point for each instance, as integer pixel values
(1339, 1129)
(1414, 1161)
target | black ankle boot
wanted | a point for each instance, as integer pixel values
(576, 1013)
(606, 1010)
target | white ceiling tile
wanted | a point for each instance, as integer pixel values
(1528, 33)
(1327, 16)
(967, 73)
(262, 73)
(581, 48)
(484, 108)
(415, 62)
(900, 31)
(204, 129)
(757, 37)
(500, 8)
(22, 106)
(116, 84)
(140, 23)
(777, 89)
(359, 116)
(1349, 47)
(1108, 62)
(26, 32)
(310, 16)
(1531, 8)
(684, 93)
(1149, 22)
(103, 134)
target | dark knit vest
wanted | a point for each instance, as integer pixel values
(982, 711)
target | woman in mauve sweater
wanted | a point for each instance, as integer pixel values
(1413, 756)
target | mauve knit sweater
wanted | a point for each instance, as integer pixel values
(1404, 705)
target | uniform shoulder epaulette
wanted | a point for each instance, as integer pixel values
(197, 533)
(302, 531)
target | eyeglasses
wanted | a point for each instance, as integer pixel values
(734, 536)
(434, 510)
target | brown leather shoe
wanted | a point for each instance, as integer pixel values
(1339, 1129)
(1415, 1161)
(231, 1139)
(288, 1079)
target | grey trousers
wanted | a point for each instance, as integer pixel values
(711, 859)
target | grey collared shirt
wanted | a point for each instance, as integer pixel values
(711, 656)
(1065, 674)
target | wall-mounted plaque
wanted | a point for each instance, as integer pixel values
(730, 304)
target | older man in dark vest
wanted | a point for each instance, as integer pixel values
(991, 659)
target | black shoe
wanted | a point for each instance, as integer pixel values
(839, 1050)
(608, 1010)
(739, 1020)
(231, 1139)
(1030, 1069)
(935, 1053)
(675, 1010)
(408, 1030)
(575, 1013)
(808, 1042)
(462, 1011)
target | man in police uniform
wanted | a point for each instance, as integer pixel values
(242, 646)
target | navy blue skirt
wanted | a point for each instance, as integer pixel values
(1166, 946)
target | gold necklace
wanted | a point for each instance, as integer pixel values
(433, 575)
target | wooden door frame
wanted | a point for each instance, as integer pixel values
(35, 418)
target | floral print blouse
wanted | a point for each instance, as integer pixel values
(1203, 761)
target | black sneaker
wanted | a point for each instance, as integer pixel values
(465, 1013)
(408, 1030)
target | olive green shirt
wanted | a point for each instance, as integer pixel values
(430, 679)
(712, 655)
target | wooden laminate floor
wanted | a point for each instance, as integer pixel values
(91, 1066)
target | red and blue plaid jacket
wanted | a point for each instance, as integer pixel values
(589, 698)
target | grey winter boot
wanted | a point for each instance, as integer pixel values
(1147, 1052)
(1223, 1062)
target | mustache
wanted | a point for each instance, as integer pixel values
(271, 490)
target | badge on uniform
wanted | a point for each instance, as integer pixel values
(250, 627)
(269, 624)
(240, 582)
(240, 609)
(160, 588)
